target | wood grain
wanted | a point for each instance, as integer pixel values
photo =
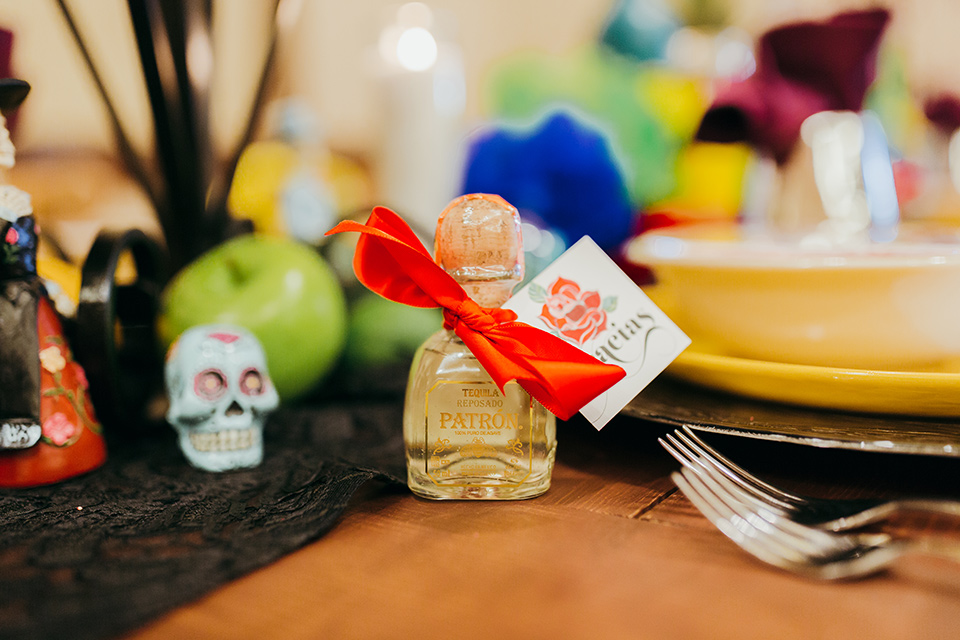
(611, 551)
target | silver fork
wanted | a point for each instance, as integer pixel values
(829, 514)
(798, 548)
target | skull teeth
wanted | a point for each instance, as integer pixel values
(227, 440)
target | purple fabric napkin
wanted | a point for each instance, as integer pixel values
(943, 111)
(802, 68)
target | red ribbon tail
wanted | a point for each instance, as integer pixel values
(390, 260)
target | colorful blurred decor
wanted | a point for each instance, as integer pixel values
(802, 68)
(710, 183)
(891, 98)
(291, 184)
(255, 190)
(708, 177)
(640, 29)
(647, 110)
(609, 92)
(60, 277)
(677, 101)
(562, 170)
(934, 162)
(710, 15)
(943, 111)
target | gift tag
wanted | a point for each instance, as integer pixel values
(584, 298)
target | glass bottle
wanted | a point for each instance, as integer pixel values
(464, 438)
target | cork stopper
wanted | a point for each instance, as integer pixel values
(480, 245)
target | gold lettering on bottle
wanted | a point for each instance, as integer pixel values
(486, 435)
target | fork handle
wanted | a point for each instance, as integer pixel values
(945, 507)
(935, 547)
(884, 510)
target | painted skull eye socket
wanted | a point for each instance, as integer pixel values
(210, 384)
(251, 382)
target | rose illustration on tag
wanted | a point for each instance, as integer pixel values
(572, 313)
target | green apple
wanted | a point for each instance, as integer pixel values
(384, 333)
(279, 289)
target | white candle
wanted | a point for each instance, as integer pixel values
(423, 95)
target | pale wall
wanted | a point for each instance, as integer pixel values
(324, 58)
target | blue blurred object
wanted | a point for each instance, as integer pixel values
(562, 170)
(640, 29)
(623, 99)
(879, 186)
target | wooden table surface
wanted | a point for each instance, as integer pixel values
(611, 551)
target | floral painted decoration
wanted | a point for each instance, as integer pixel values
(71, 439)
(65, 394)
(574, 314)
(58, 430)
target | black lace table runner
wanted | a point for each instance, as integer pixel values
(102, 554)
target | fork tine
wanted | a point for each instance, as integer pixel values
(704, 463)
(818, 555)
(674, 451)
(799, 549)
(708, 452)
(683, 454)
(798, 537)
(744, 533)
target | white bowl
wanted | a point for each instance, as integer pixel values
(892, 306)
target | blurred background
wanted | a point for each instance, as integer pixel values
(328, 58)
(585, 115)
(325, 56)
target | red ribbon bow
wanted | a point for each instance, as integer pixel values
(391, 260)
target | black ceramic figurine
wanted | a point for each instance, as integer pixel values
(48, 430)
(19, 293)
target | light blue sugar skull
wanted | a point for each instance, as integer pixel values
(220, 394)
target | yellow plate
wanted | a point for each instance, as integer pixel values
(934, 393)
(876, 306)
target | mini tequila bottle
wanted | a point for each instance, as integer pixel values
(464, 438)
